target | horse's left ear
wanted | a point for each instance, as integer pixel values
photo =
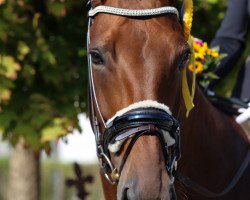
(181, 14)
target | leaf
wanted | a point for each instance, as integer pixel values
(58, 128)
(48, 55)
(5, 95)
(6, 117)
(216, 48)
(35, 21)
(23, 49)
(221, 56)
(6, 83)
(9, 67)
(58, 9)
(211, 75)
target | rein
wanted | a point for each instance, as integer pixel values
(207, 193)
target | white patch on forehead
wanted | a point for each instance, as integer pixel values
(113, 148)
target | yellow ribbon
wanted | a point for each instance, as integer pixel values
(187, 95)
(187, 21)
(188, 17)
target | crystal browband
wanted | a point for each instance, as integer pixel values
(132, 12)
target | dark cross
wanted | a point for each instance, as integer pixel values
(79, 182)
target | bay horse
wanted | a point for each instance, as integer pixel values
(136, 50)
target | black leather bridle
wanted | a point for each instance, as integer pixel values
(132, 124)
(140, 122)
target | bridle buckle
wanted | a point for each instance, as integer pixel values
(110, 172)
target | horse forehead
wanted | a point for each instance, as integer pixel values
(108, 28)
(109, 25)
(139, 4)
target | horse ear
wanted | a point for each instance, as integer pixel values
(97, 2)
(187, 17)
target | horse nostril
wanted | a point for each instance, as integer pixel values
(125, 194)
(172, 193)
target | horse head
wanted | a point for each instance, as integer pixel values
(135, 93)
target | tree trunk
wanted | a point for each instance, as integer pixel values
(24, 174)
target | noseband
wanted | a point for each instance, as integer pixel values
(136, 122)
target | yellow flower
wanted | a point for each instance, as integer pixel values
(215, 54)
(204, 47)
(198, 67)
(199, 55)
(209, 51)
(191, 67)
(197, 46)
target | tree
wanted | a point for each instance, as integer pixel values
(207, 17)
(44, 41)
(43, 73)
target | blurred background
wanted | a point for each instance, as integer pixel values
(44, 127)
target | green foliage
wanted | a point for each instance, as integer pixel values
(8, 73)
(207, 18)
(43, 73)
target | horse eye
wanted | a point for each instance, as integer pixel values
(185, 59)
(96, 57)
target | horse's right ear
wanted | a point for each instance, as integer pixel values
(96, 3)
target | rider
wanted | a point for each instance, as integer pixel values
(231, 38)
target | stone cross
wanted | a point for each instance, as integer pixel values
(79, 182)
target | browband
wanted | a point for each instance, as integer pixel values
(133, 12)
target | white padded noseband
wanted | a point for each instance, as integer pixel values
(113, 148)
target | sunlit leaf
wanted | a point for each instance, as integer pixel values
(23, 49)
(5, 95)
(35, 20)
(9, 67)
(58, 128)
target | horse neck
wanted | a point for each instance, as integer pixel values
(211, 143)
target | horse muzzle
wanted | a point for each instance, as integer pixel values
(134, 123)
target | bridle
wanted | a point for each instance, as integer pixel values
(138, 122)
(134, 123)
